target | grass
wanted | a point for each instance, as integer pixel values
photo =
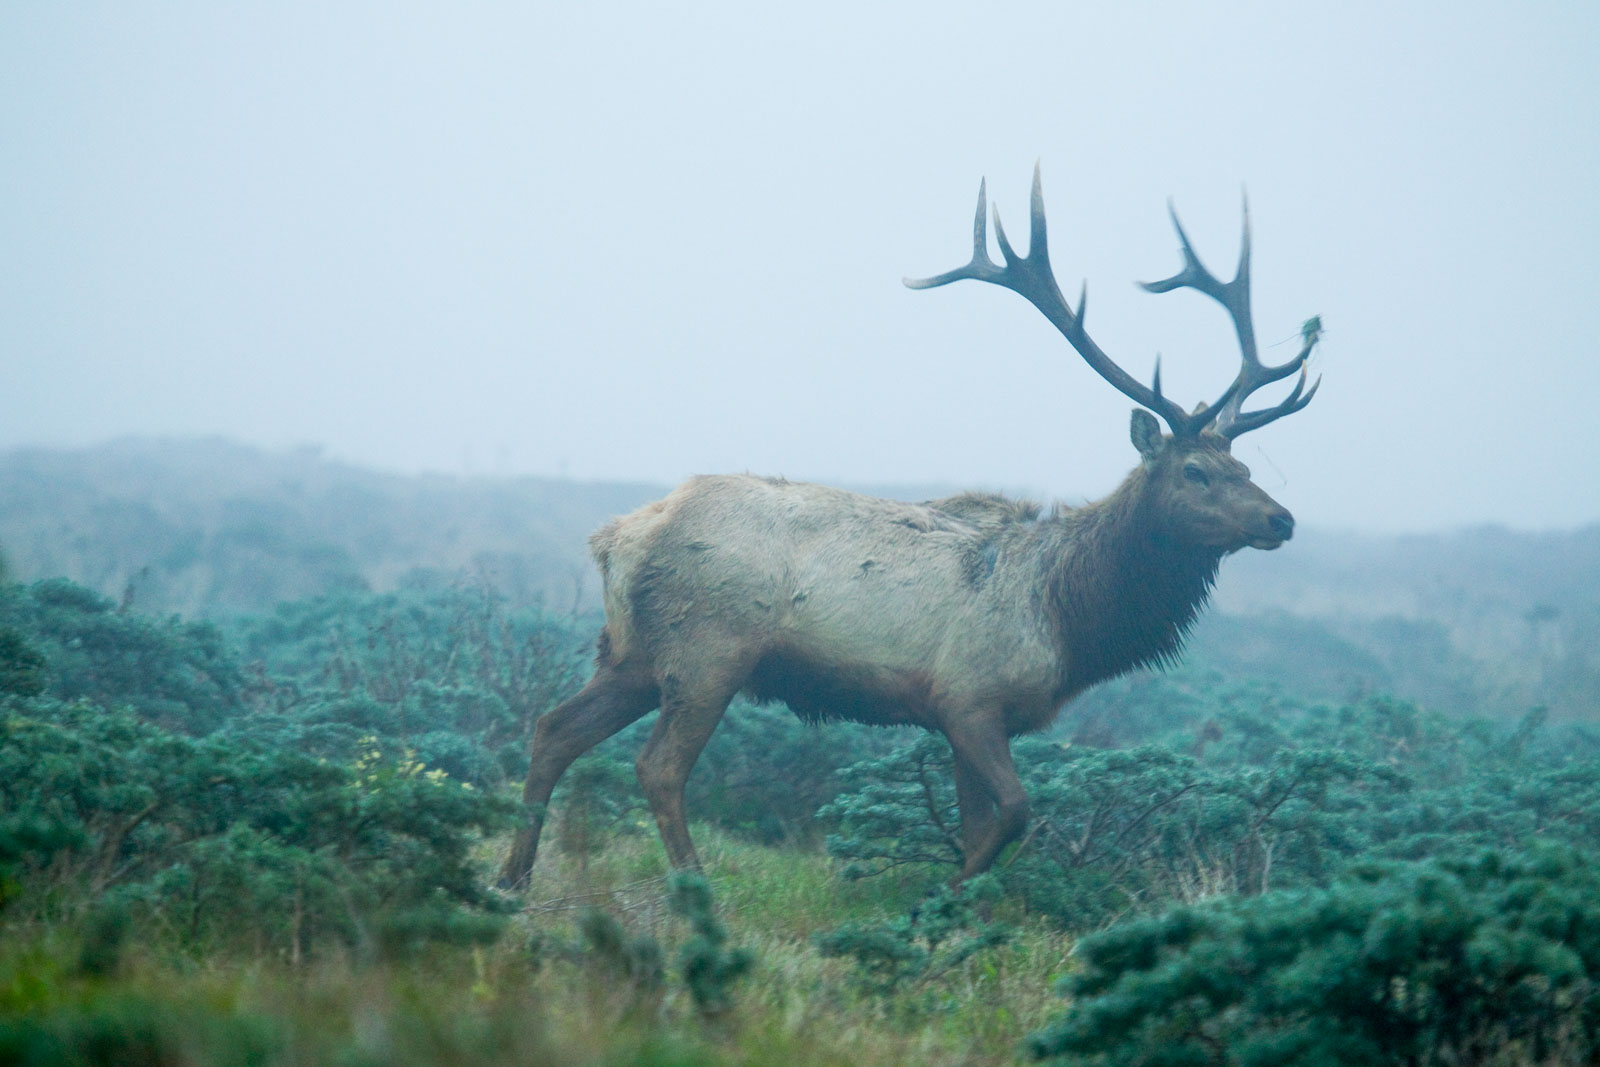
(504, 1004)
(797, 1006)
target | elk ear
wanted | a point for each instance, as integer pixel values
(1146, 433)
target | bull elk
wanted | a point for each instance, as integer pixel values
(976, 616)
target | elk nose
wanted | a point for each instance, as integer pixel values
(1282, 525)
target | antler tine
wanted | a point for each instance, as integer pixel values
(1194, 274)
(1289, 405)
(981, 267)
(1235, 422)
(1234, 296)
(1031, 277)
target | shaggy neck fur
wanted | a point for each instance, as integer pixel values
(1123, 591)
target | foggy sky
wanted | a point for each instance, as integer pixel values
(638, 241)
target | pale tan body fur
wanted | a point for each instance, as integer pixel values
(877, 590)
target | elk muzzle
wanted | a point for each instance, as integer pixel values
(1279, 528)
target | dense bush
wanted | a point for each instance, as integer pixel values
(177, 674)
(1117, 830)
(1492, 959)
(764, 773)
(328, 794)
(945, 929)
(1260, 795)
(453, 674)
(218, 840)
(180, 806)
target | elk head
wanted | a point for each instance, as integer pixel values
(1199, 493)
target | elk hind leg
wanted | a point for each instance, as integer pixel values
(688, 719)
(613, 699)
(976, 807)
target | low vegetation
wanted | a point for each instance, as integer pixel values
(271, 842)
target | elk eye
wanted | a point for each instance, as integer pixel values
(1193, 473)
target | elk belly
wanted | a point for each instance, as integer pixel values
(817, 691)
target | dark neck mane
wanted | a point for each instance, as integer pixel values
(1123, 593)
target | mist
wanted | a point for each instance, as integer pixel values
(612, 242)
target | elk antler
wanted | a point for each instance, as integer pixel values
(1235, 297)
(1032, 277)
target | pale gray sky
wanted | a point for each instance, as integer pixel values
(642, 241)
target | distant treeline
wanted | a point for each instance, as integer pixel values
(1484, 621)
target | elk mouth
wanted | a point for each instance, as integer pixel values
(1280, 527)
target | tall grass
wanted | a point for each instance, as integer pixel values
(549, 1003)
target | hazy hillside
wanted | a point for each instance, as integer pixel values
(1523, 607)
(1483, 619)
(209, 527)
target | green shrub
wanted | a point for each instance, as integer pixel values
(1487, 960)
(1117, 830)
(709, 965)
(180, 675)
(944, 930)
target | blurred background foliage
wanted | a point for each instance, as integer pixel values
(1336, 837)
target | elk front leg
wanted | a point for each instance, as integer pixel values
(987, 788)
(613, 699)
